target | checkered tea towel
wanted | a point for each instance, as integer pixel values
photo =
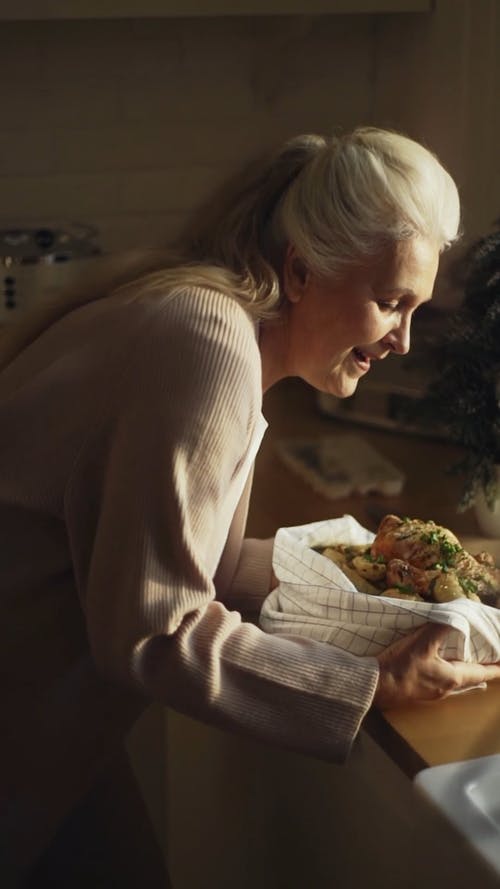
(315, 598)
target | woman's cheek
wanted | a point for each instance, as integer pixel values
(377, 326)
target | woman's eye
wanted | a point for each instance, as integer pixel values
(388, 305)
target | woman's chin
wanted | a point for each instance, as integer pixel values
(342, 388)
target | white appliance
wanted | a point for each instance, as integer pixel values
(39, 261)
(468, 794)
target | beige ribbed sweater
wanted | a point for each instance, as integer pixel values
(128, 432)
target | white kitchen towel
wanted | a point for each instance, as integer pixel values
(314, 598)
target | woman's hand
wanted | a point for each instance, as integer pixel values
(412, 669)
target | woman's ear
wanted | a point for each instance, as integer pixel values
(295, 275)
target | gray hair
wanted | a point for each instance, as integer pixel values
(336, 200)
(362, 192)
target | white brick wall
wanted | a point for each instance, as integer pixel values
(128, 124)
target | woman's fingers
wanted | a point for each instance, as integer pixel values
(492, 671)
(431, 636)
(473, 674)
(427, 640)
(412, 669)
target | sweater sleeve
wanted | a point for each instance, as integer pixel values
(148, 510)
(252, 580)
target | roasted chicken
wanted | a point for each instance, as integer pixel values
(430, 560)
(413, 559)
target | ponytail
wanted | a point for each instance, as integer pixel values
(336, 200)
(234, 231)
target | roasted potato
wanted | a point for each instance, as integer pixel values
(369, 568)
(361, 584)
(419, 561)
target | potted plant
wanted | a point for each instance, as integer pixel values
(463, 397)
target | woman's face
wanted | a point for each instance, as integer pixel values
(335, 330)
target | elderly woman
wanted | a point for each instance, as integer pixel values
(131, 417)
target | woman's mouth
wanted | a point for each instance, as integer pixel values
(362, 359)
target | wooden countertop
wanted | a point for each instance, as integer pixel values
(460, 727)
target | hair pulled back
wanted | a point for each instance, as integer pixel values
(336, 200)
(362, 192)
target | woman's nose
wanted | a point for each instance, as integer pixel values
(399, 339)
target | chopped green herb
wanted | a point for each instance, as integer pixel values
(467, 585)
(380, 560)
(447, 550)
(432, 537)
(440, 566)
(403, 588)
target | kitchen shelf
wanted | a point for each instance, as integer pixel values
(39, 10)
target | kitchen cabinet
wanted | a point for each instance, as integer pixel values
(245, 815)
(117, 9)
